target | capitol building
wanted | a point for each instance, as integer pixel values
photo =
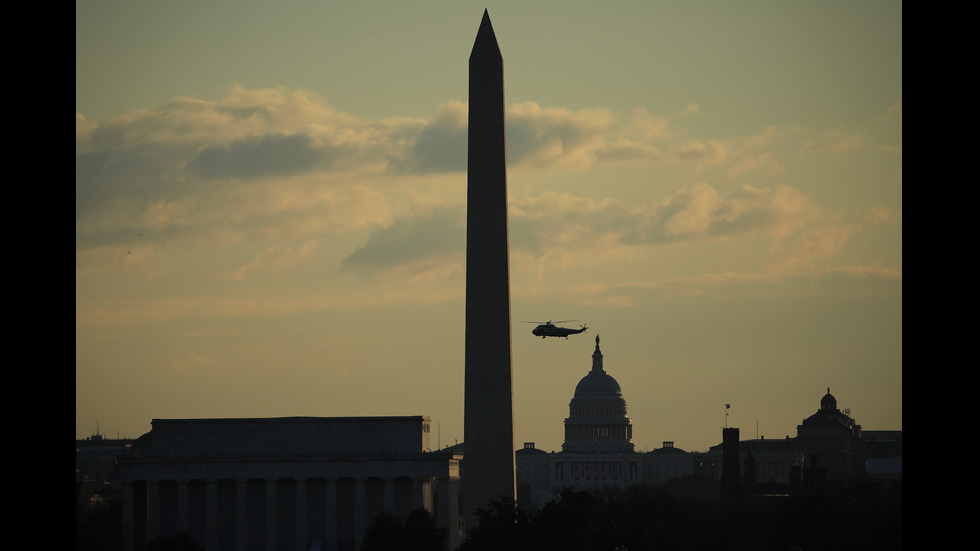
(598, 451)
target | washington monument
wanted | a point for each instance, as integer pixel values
(488, 418)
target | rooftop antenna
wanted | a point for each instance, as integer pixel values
(727, 407)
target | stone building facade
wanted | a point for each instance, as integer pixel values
(284, 483)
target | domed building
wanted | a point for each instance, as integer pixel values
(829, 421)
(829, 448)
(598, 448)
(831, 441)
(597, 420)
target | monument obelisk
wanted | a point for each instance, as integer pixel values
(488, 417)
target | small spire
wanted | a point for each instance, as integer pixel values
(597, 357)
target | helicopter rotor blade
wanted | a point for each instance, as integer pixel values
(548, 322)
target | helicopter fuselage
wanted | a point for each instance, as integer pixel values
(550, 330)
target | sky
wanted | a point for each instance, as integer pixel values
(270, 211)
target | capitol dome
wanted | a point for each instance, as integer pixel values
(597, 383)
(597, 419)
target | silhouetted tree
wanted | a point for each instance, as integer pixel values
(385, 532)
(865, 515)
(575, 522)
(422, 533)
(503, 525)
(881, 513)
(98, 528)
(179, 542)
(418, 533)
(649, 517)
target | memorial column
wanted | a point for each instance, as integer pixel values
(153, 506)
(389, 497)
(128, 508)
(211, 522)
(331, 536)
(360, 510)
(183, 507)
(302, 528)
(417, 501)
(241, 514)
(271, 529)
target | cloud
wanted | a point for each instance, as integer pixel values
(834, 142)
(551, 221)
(700, 202)
(697, 212)
(256, 122)
(539, 137)
(259, 156)
(702, 152)
(271, 259)
(810, 248)
(191, 361)
(288, 179)
(894, 111)
(572, 230)
(881, 215)
(173, 155)
(411, 241)
(698, 284)
(439, 145)
(864, 279)
(576, 140)
(263, 160)
(784, 237)
(242, 159)
(767, 138)
(892, 149)
(551, 224)
(645, 126)
(765, 164)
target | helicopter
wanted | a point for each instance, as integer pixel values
(549, 329)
